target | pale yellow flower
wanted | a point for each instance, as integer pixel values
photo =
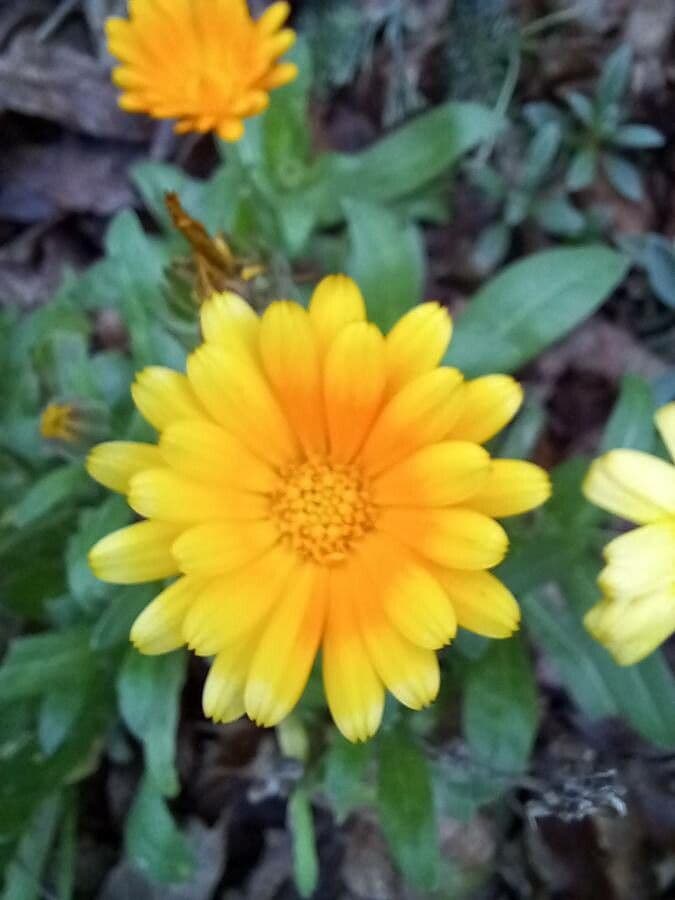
(637, 612)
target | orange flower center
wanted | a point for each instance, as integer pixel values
(323, 508)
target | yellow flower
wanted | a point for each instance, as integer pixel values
(206, 63)
(317, 485)
(637, 612)
(58, 422)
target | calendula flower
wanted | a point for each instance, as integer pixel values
(317, 485)
(58, 422)
(637, 612)
(73, 427)
(206, 63)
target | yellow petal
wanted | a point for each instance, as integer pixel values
(489, 404)
(223, 697)
(456, 538)
(290, 357)
(633, 629)
(234, 391)
(512, 487)
(354, 690)
(208, 453)
(228, 320)
(631, 484)
(113, 463)
(412, 598)
(417, 343)
(216, 548)
(285, 654)
(231, 130)
(437, 475)
(421, 413)
(481, 602)
(280, 75)
(665, 422)
(137, 553)
(273, 17)
(640, 561)
(354, 380)
(231, 606)
(164, 396)
(159, 628)
(410, 672)
(336, 302)
(163, 494)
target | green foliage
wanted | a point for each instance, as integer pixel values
(531, 304)
(385, 259)
(597, 133)
(532, 194)
(344, 779)
(152, 840)
(405, 802)
(500, 708)
(655, 255)
(148, 690)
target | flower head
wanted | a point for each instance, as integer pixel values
(317, 485)
(58, 422)
(637, 612)
(206, 63)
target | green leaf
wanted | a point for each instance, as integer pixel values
(23, 878)
(500, 711)
(93, 524)
(521, 437)
(558, 216)
(541, 154)
(139, 263)
(531, 304)
(624, 176)
(406, 807)
(152, 840)
(301, 826)
(638, 137)
(28, 777)
(59, 709)
(631, 424)
(344, 776)
(581, 172)
(659, 262)
(615, 77)
(123, 607)
(491, 247)
(643, 694)
(67, 484)
(463, 786)
(581, 106)
(148, 689)
(66, 850)
(40, 663)
(408, 159)
(386, 259)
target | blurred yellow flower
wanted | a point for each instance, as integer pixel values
(317, 485)
(206, 63)
(57, 422)
(637, 612)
